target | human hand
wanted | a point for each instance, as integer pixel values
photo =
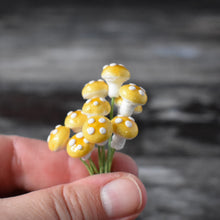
(59, 186)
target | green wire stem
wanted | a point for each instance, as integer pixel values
(87, 167)
(111, 151)
(93, 166)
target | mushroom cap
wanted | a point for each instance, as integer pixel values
(95, 88)
(124, 126)
(58, 138)
(115, 72)
(133, 93)
(138, 109)
(75, 120)
(97, 129)
(118, 101)
(96, 106)
(79, 146)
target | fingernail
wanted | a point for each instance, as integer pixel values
(121, 197)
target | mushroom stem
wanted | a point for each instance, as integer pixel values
(113, 89)
(118, 142)
(87, 156)
(127, 108)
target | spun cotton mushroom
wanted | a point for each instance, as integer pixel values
(75, 120)
(79, 147)
(96, 106)
(58, 138)
(91, 124)
(123, 128)
(97, 129)
(93, 89)
(132, 96)
(115, 75)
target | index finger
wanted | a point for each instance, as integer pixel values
(28, 164)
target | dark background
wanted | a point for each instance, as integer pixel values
(49, 50)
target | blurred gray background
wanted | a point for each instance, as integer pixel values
(49, 50)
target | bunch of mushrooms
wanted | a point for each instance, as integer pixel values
(95, 125)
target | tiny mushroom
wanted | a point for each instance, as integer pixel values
(93, 89)
(75, 120)
(79, 147)
(58, 138)
(96, 106)
(123, 128)
(138, 109)
(115, 75)
(97, 129)
(132, 96)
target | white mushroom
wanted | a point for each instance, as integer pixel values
(58, 138)
(123, 128)
(115, 75)
(132, 96)
(96, 106)
(97, 129)
(93, 89)
(79, 147)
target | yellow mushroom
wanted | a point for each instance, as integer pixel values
(132, 96)
(115, 75)
(118, 101)
(97, 129)
(96, 106)
(58, 138)
(75, 120)
(79, 147)
(93, 89)
(123, 128)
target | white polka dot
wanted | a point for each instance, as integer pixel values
(128, 124)
(73, 148)
(113, 64)
(91, 120)
(91, 130)
(85, 141)
(73, 115)
(48, 138)
(118, 120)
(131, 118)
(102, 130)
(72, 142)
(142, 89)
(69, 113)
(95, 103)
(58, 126)
(92, 81)
(54, 131)
(79, 147)
(79, 135)
(132, 88)
(102, 120)
(104, 67)
(141, 92)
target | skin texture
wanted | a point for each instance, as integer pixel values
(57, 186)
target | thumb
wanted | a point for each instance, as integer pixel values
(106, 196)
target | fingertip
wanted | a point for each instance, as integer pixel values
(124, 163)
